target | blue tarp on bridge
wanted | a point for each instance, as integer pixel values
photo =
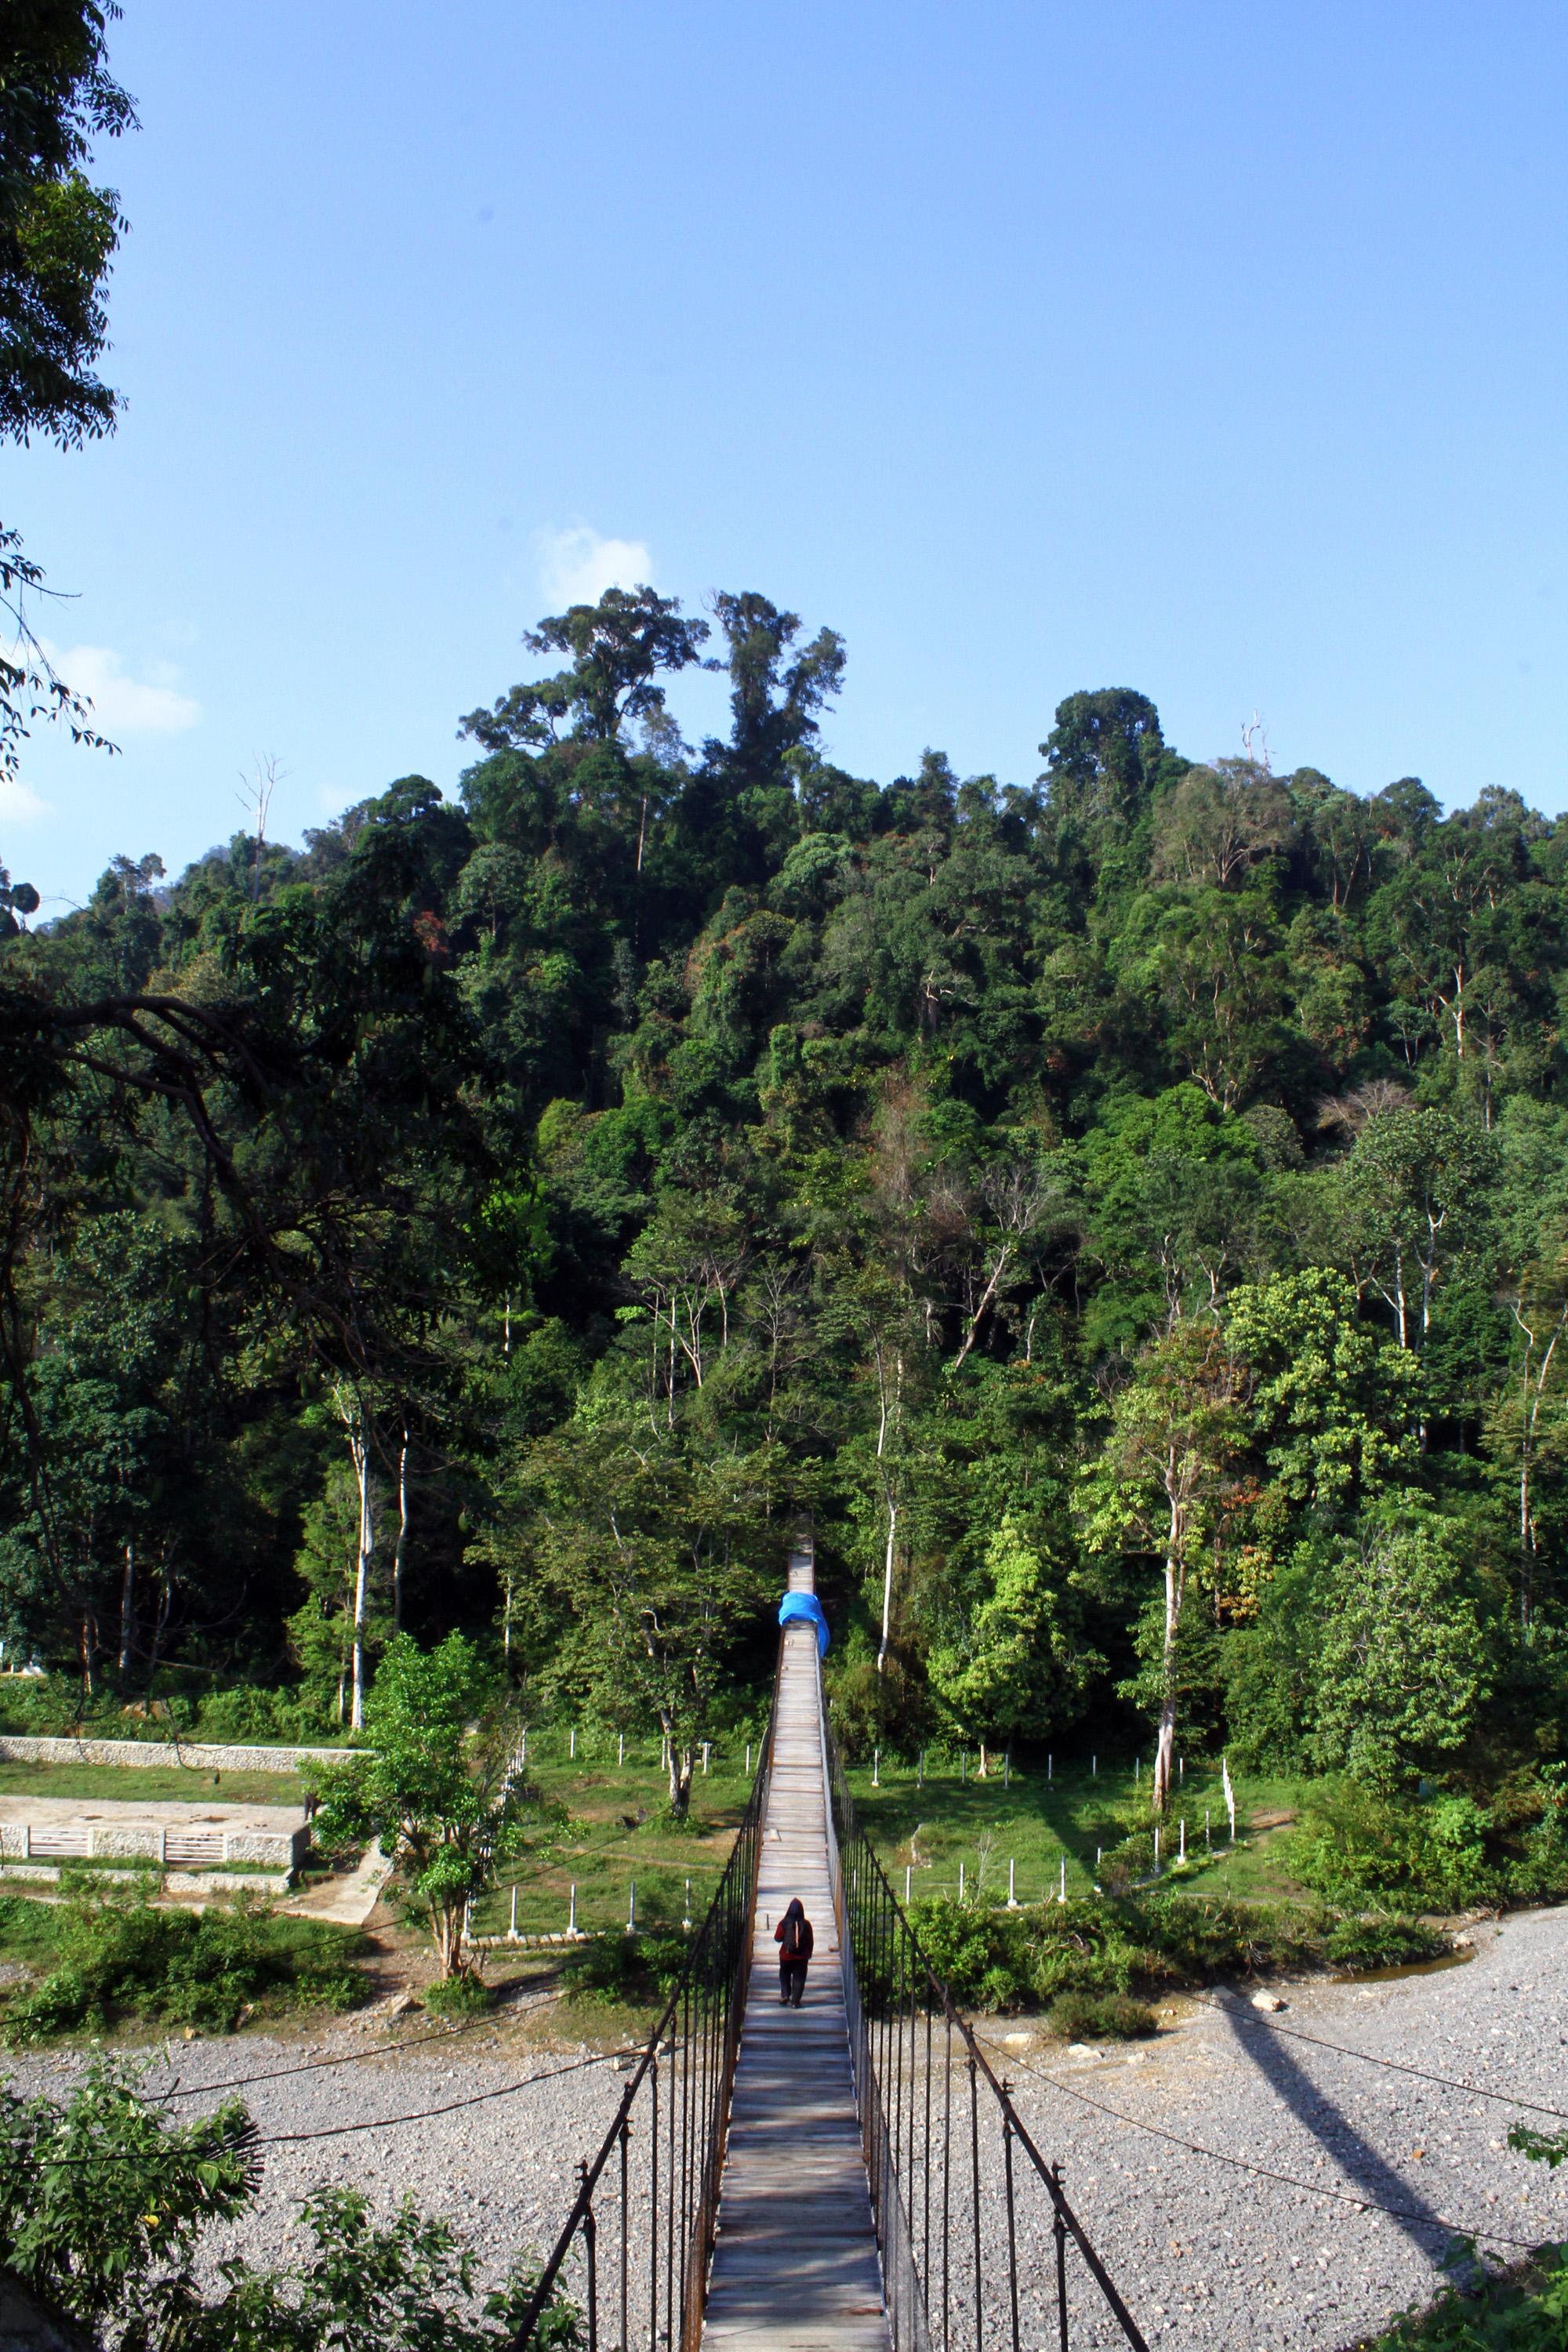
(797, 1605)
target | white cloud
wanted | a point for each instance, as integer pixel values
(122, 705)
(576, 566)
(19, 804)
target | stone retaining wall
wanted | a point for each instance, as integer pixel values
(271, 1850)
(15, 1748)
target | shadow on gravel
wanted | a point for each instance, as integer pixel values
(1367, 2171)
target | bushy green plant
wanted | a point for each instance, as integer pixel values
(625, 1971)
(120, 1957)
(403, 2285)
(28, 1930)
(1123, 1864)
(1526, 2311)
(1143, 1944)
(102, 2201)
(1104, 2017)
(247, 1714)
(869, 1710)
(55, 1707)
(1531, 1816)
(1383, 1941)
(1180, 1939)
(1430, 1852)
(458, 1997)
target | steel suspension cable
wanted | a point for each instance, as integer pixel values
(1395, 2065)
(1266, 2172)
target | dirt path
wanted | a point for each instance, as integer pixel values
(344, 1902)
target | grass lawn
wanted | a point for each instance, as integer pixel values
(29, 1932)
(927, 1831)
(151, 1784)
(617, 1828)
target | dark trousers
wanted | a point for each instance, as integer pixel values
(791, 1981)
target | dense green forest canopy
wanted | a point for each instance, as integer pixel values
(1129, 1212)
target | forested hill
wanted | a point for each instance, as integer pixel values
(1129, 1210)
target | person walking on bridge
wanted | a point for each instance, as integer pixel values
(794, 1939)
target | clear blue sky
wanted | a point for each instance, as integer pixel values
(1214, 350)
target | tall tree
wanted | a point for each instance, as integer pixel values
(1161, 1485)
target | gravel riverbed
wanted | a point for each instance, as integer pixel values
(1209, 2254)
(1206, 2253)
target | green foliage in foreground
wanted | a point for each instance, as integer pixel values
(103, 2205)
(1006, 1960)
(118, 1960)
(1527, 2311)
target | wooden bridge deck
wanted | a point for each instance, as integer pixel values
(795, 2268)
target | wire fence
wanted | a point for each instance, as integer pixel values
(634, 2254)
(974, 2229)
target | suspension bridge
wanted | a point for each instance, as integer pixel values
(848, 2175)
(796, 2264)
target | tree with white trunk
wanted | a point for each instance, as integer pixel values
(1162, 1484)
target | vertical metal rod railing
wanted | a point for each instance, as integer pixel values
(679, 2095)
(982, 2274)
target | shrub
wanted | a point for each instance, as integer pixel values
(1531, 1817)
(869, 1710)
(248, 1715)
(1123, 1864)
(28, 1930)
(106, 2207)
(1111, 2016)
(458, 1997)
(624, 1971)
(124, 1958)
(1142, 1943)
(55, 1707)
(1384, 1942)
(1432, 1854)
